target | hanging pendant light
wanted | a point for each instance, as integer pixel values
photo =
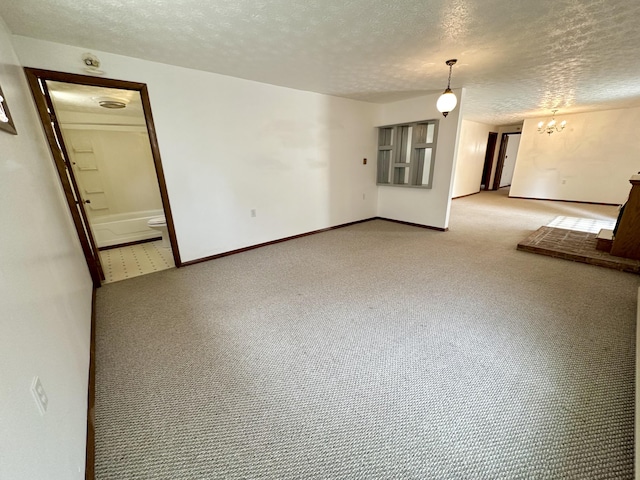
(447, 101)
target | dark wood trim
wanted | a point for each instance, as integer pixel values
(272, 242)
(129, 244)
(42, 109)
(500, 165)
(155, 151)
(89, 470)
(84, 79)
(428, 227)
(568, 201)
(490, 153)
(34, 74)
(467, 195)
(72, 177)
(293, 237)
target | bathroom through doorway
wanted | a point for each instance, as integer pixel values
(103, 141)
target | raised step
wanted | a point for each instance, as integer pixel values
(604, 240)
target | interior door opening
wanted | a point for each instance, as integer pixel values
(103, 141)
(488, 160)
(507, 157)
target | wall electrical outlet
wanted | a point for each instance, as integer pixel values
(364, 161)
(253, 212)
(39, 395)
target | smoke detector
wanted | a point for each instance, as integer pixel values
(92, 64)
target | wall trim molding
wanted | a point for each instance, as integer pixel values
(568, 201)
(272, 242)
(467, 195)
(293, 237)
(411, 224)
(130, 244)
(90, 458)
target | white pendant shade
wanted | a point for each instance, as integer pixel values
(447, 102)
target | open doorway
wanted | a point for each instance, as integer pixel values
(101, 134)
(507, 157)
(492, 139)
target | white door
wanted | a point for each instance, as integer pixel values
(510, 159)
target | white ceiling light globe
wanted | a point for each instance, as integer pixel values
(447, 102)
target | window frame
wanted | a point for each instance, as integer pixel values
(392, 155)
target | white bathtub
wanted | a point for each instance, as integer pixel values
(109, 230)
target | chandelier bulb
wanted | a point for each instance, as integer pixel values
(551, 125)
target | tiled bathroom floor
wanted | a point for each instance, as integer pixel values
(135, 260)
(582, 224)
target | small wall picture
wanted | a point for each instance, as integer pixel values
(6, 122)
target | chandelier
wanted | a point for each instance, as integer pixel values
(551, 125)
(447, 100)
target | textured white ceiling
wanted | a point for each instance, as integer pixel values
(517, 58)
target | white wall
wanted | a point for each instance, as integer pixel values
(230, 145)
(428, 207)
(45, 301)
(472, 147)
(590, 161)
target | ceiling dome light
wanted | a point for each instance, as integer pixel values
(448, 100)
(112, 104)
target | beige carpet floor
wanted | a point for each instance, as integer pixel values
(376, 351)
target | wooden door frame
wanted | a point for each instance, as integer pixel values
(34, 77)
(500, 165)
(492, 141)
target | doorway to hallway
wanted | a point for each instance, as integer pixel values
(507, 157)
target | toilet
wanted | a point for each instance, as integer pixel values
(160, 224)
